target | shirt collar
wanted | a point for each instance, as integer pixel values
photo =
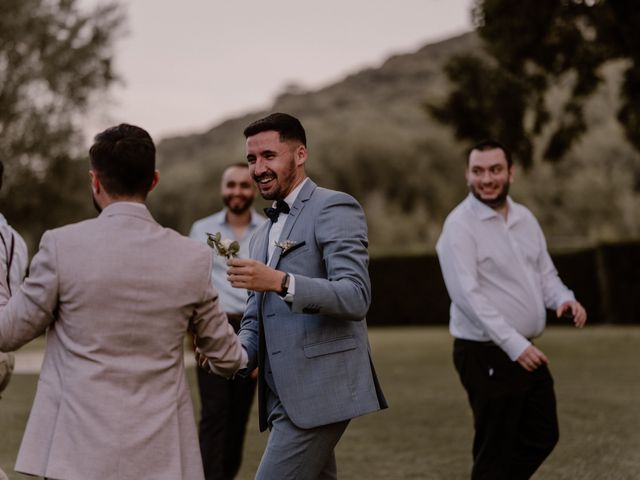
(293, 194)
(256, 218)
(3, 221)
(137, 204)
(485, 212)
(127, 208)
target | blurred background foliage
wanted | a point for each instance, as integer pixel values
(554, 79)
(55, 60)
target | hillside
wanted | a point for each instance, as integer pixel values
(370, 136)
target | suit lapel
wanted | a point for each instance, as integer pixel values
(292, 218)
(259, 252)
(262, 241)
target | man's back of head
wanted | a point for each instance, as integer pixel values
(124, 159)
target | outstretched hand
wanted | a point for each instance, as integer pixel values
(574, 311)
(253, 275)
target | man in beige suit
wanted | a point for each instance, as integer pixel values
(116, 295)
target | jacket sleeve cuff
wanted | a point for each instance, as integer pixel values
(244, 361)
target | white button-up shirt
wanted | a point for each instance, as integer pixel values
(276, 231)
(18, 259)
(499, 275)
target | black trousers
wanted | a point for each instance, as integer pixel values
(225, 408)
(514, 411)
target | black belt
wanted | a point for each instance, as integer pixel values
(474, 343)
(483, 343)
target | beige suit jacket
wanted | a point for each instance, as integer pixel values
(116, 295)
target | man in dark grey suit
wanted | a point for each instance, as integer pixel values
(304, 325)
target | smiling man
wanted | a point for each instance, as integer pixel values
(500, 278)
(225, 404)
(305, 319)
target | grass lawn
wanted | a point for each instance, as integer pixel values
(427, 431)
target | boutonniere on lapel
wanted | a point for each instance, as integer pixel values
(223, 247)
(287, 246)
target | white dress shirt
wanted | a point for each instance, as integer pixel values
(276, 231)
(14, 257)
(499, 275)
(17, 260)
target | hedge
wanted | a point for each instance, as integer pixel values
(605, 279)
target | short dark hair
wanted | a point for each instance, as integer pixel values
(124, 159)
(489, 144)
(288, 126)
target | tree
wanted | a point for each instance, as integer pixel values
(54, 59)
(530, 47)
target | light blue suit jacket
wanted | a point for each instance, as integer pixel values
(317, 345)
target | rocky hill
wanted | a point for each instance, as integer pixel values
(369, 135)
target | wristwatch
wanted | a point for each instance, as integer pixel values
(284, 286)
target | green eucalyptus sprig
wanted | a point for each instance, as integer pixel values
(223, 247)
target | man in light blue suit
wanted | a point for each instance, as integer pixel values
(304, 325)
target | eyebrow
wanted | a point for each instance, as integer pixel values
(262, 153)
(493, 165)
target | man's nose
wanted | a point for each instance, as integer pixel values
(259, 167)
(486, 176)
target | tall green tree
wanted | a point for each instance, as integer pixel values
(530, 46)
(55, 57)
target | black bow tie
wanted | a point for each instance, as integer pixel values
(274, 212)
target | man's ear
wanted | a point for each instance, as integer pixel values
(156, 179)
(300, 155)
(511, 173)
(95, 182)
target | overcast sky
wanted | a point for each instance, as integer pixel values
(189, 64)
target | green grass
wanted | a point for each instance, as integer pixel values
(426, 433)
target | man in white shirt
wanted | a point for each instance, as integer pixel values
(14, 256)
(501, 279)
(6, 368)
(14, 259)
(226, 404)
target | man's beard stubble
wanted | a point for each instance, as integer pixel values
(494, 203)
(288, 177)
(244, 206)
